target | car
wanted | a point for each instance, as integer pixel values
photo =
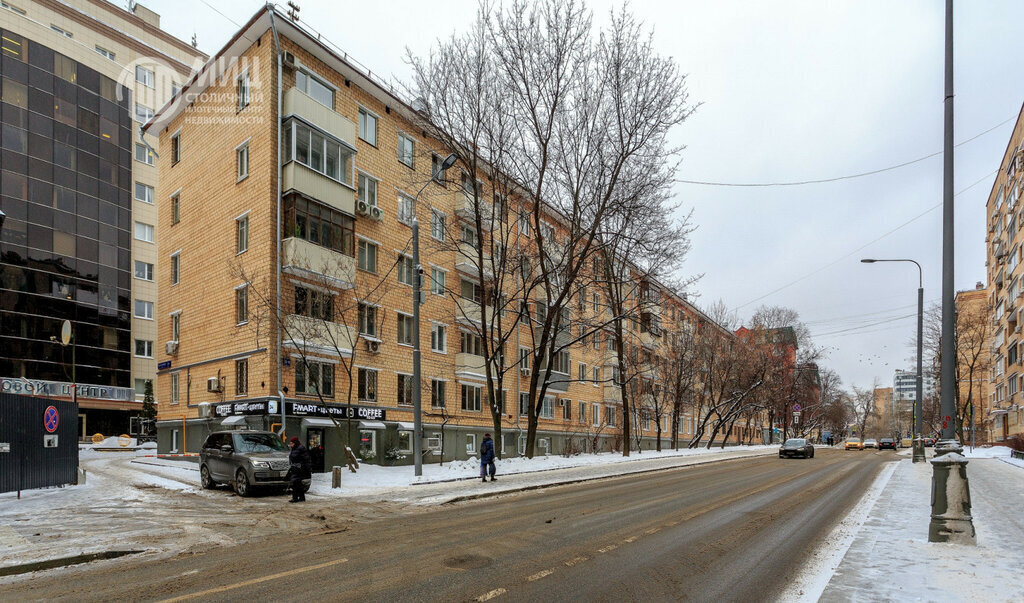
(887, 444)
(797, 447)
(870, 443)
(907, 443)
(929, 442)
(853, 445)
(245, 459)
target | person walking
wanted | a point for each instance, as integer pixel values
(300, 467)
(487, 458)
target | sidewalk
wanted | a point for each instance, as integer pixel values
(890, 557)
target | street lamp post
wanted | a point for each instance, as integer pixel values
(417, 299)
(918, 398)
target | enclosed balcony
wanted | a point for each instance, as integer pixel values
(314, 335)
(466, 262)
(612, 393)
(469, 365)
(299, 104)
(315, 262)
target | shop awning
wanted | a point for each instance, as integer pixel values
(406, 426)
(317, 422)
(372, 425)
(235, 420)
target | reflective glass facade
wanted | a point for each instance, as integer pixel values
(65, 246)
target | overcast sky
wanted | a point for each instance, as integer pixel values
(791, 91)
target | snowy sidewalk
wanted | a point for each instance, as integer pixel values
(891, 559)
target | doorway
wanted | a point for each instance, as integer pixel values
(315, 445)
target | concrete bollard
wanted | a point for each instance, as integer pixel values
(918, 447)
(335, 476)
(81, 477)
(951, 501)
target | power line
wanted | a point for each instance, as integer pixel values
(848, 176)
(867, 316)
(874, 324)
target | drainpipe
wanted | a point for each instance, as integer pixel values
(277, 231)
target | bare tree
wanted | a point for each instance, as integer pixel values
(863, 401)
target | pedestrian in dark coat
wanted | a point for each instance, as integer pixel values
(487, 458)
(300, 467)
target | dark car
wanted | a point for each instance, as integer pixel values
(246, 460)
(797, 447)
(887, 443)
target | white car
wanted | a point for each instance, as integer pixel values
(870, 443)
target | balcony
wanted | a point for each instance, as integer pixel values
(469, 365)
(468, 313)
(649, 340)
(297, 177)
(309, 260)
(612, 393)
(466, 262)
(298, 103)
(317, 336)
(465, 211)
(559, 382)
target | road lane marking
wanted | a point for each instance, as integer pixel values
(540, 575)
(652, 531)
(221, 589)
(576, 560)
(494, 593)
(610, 547)
(631, 539)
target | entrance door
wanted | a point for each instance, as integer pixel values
(315, 445)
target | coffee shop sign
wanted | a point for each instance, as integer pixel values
(59, 389)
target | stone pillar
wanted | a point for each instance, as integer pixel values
(335, 477)
(951, 501)
(918, 450)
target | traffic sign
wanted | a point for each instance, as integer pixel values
(51, 419)
(797, 407)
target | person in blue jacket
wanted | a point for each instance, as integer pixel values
(487, 458)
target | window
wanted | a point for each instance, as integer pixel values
(176, 326)
(469, 237)
(175, 208)
(367, 320)
(242, 233)
(562, 364)
(144, 154)
(317, 151)
(140, 387)
(566, 409)
(144, 76)
(471, 344)
(609, 415)
(367, 389)
(242, 161)
(144, 232)
(367, 126)
(547, 408)
(243, 90)
(437, 277)
(316, 88)
(524, 358)
(405, 441)
(596, 414)
(144, 309)
(524, 404)
(436, 161)
(60, 31)
(437, 393)
(471, 291)
(582, 372)
(143, 192)
(404, 328)
(175, 396)
(471, 444)
(406, 149)
(319, 224)
(314, 303)
(106, 53)
(313, 378)
(175, 148)
(242, 304)
(471, 396)
(404, 395)
(367, 443)
(405, 269)
(367, 189)
(438, 338)
(583, 412)
(596, 375)
(143, 348)
(437, 224)
(406, 213)
(143, 271)
(242, 377)
(143, 113)
(175, 268)
(367, 259)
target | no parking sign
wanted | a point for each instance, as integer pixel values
(51, 419)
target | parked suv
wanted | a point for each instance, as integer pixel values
(246, 460)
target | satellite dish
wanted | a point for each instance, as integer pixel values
(65, 332)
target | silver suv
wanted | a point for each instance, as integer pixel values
(245, 459)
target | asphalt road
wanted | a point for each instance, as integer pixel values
(735, 530)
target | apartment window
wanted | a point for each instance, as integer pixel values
(609, 415)
(470, 343)
(367, 126)
(144, 76)
(143, 113)
(566, 410)
(524, 358)
(547, 408)
(367, 387)
(368, 190)
(313, 378)
(524, 404)
(437, 393)
(596, 415)
(314, 304)
(143, 348)
(438, 338)
(367, 320)
(143, 271)
(103, 51)
(60, 31)
(175, 88)
(316, 88)
(175, 268)
(242, 161)
(243, 90)
(436, 161)
(404, 328)
(437, 224)
(406, 213)
(143, 192)
(175, 208)
(242, 304)
(242, 233)
(471, 291)
(144, 232)
(404, 394)
(143, 309)
(471, 397)
(596, 375)
(469, 237)
(583, 413)
(176, 148)
(319, 224)
(406, 149)
(437, 277)
(367, 259)
(405, 269)
(596, 300)
(317, 151)
(140, 386)
(582, 372)
(524, 223)
(144, 154)
(176, 326)
(175, 396)
(562, 364)
(242, 377)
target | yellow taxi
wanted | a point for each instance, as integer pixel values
(853, 445)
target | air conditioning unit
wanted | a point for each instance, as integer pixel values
(376, 213)
(171, 347)
(289, 60)
(363, 208)
(525, 371)
(213, 384)
(372, 346)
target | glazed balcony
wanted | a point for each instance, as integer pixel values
(309, 260)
